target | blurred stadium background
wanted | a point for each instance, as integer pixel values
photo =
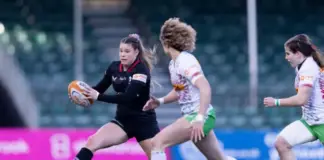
(44, 45)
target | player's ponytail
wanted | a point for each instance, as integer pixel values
(303, 44)
(318, 57)
(147, 55)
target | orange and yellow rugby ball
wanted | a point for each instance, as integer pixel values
(75, 90)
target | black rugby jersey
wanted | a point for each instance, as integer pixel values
(132, 87)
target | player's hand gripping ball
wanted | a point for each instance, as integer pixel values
(75, 92)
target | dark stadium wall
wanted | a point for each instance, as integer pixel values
(144, 30)
(9, 116)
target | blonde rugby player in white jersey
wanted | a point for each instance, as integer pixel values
(309, 83)
(193, 93)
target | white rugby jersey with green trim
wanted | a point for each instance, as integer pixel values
(311, 75)
(184, 71)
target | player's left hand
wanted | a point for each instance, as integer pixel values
(152, 103)
(197, 132)
(269, 102)
(90, 93)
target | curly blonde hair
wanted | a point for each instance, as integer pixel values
(178, 35)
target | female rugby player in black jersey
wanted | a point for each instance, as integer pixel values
(131, 79)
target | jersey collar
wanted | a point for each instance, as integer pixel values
(131, 67)
(299, 66)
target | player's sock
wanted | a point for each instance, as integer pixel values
(230, 158)
(158, 155)
(84, 154)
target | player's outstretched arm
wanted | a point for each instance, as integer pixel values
(205, 94)
(172, 96)
(153, 102)
(138, 82)
(297, 100)
(105, 82)
(306, 84)
(205, 98)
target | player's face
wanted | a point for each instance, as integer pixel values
(294, 59)
(127, 54)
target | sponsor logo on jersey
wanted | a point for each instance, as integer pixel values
(306, 78)
(178, 87)
(140, 77)
(118, 78)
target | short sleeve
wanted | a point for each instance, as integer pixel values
(140, 78)
(307, 77)
(190, 68)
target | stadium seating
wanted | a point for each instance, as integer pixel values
(41, 37)
(222, 49)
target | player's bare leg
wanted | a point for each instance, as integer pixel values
(284, 149)
(177, 132)
(209, 146)
(108, 135)
(295, 133)
(147, 147)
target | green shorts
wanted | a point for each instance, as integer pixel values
(316, 130)
(209, 120)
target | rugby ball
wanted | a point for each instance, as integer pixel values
(75, 90)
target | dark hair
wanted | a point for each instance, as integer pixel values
(303, 44)
(146, 55)
(178, 35)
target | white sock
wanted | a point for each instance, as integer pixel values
(158, 155)
(230, 158)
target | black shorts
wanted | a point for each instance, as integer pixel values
(137, 127)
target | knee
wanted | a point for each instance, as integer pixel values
(92, 144)
(282, 145)
(157, 143)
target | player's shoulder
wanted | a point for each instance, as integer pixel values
(141, 72)
(186, 59)
(310, 66)
(141, 68)
(187, 55)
